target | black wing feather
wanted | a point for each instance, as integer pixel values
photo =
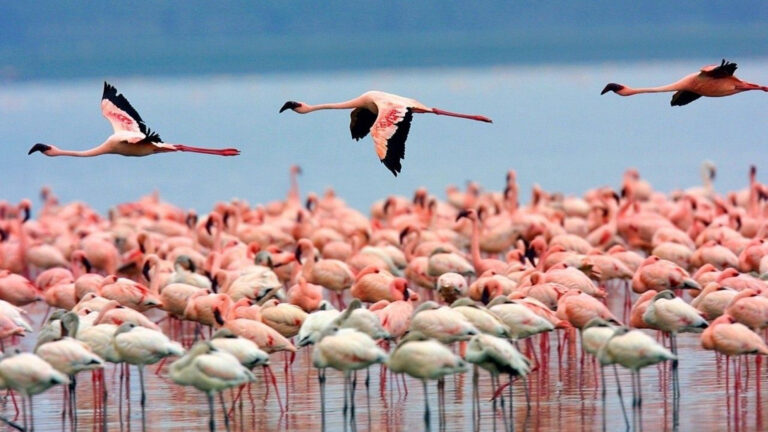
(396, 144)
(725, 69)
(361, 121)
(111, 94)
(684, 98)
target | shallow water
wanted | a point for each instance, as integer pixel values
(564, 399)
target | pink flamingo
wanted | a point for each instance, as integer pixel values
(387, 117)
(132, 137)
(373, 284)
(711, 81)
(481, 265)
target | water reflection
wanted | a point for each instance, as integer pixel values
(565, 394)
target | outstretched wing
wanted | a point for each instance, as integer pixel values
(725, 69)
(361, 121)
(389, 132)
(683, 97)
(122, 116)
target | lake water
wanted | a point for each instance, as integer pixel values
(550, 124)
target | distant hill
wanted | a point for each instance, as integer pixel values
(55, 39)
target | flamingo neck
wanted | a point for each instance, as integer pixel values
(628, 91)
(309, 263)
(353, 103)
(293, 192)
(96, 151)
(475, 243)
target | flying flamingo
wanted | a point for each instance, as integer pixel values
(387, 117)
(712, 81)
(132, 136)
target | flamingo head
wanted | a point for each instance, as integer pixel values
(42, 148)
(616, 88)
(469, 214)
(293, 105)
(401, 285)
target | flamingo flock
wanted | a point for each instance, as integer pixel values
(419, 287)
(422, 287)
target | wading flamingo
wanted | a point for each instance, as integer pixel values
(132, 136)
(210, 371)
(386, 116)
(29, 375)
(712, 81)
(425, 359)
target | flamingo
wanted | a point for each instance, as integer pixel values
(634, 350)
(345, 350)
(497, 356)
(314, 324)
(210, 370)
(132, 137)
(29, 375)
(425, 359)
(141, 346)
(70, 356)
(386, 116)
(712, 81)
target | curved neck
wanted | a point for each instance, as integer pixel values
(475, 243)
(309, 263)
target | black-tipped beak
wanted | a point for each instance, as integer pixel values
(485, 297)
(27, 214)
(612, 87)
(208, 225)
(290, 105)
(406, 294)
(403, 233)
(145, 271)
(42, 148)
(86, 264)
(462, 214)
(297, 254)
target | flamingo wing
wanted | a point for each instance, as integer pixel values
(389, 132)
(122, 116)
(361, 122)
(725, 69)
(683, 97)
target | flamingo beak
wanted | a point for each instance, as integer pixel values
(42, 148)
(290, 105)
(463, 213)
(612, 87)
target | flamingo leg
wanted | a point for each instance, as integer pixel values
(621, 397)
(426, 406)
(103, 400)
(143, 398)
(511, 405)
(31, 414)
(212, 420)
(224, 411)
(321, 381)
